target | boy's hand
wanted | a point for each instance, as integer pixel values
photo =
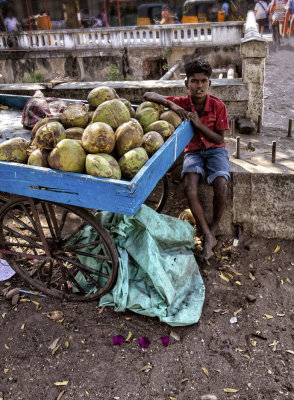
(194, 118)
(182, 113)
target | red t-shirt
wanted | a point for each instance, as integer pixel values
(214, 116)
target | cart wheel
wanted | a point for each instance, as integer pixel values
(4, 197)
(158, 196)
(45, 243)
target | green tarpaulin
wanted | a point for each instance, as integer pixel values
(158, 274)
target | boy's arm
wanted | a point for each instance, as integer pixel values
(216, 137)
(158, 99)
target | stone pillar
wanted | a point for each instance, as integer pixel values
(254, 50)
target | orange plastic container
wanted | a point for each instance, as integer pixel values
(44, 23)
(221, 15)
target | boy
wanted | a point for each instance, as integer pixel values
(206, 151)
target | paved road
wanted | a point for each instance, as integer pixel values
(279, 85)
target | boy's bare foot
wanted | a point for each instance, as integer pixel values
(209, 243)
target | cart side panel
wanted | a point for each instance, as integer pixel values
(66, 187)
(162, 160)
(86, 191)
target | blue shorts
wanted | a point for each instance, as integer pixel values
(212, 162)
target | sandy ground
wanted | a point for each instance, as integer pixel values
(248, 357)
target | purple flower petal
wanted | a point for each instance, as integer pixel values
(119, 339)
(144, 342)
(164, 340)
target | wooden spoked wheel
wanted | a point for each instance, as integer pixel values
(58, 249)
(158, 196)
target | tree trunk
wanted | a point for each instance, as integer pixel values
(71, 10)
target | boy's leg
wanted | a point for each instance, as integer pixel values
(218, 169)
(219, 201)
(191, 182)
(193, 170)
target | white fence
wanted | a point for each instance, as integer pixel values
(137, 36)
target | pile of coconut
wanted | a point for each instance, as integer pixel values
(105, 138)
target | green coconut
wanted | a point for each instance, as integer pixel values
(48, 135)
(98, 138)
(136, 122)
(99, 95)
(147, 104)
(162, 127)
(171, 117)
(74, 133)
(131, 162)
(68, 155)
(146, 116)
(133, 112)
(128, 136)
(39, 158)
(152, 141)
(75, 114)
(171, 127)
(112, 112)
(43, 122)
(90, 113)
(14, 150)
(126, 103)
(103, 165)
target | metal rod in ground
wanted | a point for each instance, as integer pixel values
(290, 128)
(238, 147)
(232, 127)
(259, 124)
(274, 150)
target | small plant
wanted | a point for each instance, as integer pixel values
(33, 77)
(165, 67)
(113, 74)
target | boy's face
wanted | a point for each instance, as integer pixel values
(198, 85)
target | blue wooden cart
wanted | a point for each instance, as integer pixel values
(42, 227)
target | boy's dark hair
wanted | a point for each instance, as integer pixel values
(198, 66)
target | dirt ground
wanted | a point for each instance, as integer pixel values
(248, 357)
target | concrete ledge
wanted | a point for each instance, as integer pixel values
(262, 204)
(233, 92)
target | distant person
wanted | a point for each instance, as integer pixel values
(226, 7)
(104, 20)
(97, 22)
(277, 12)
(260, 12)
(166, 17)
(289, 19)
(176, 19)
(11, 23)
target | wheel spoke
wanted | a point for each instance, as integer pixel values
(83, 267)
(25, 255)
(99, 256)
(62, 222)
(17, 244)
(77, 230)
(24, 237)
(80, 246)
(44, 207)
(40, 230)
(20, 222)
(38, 269)
(66, 271)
